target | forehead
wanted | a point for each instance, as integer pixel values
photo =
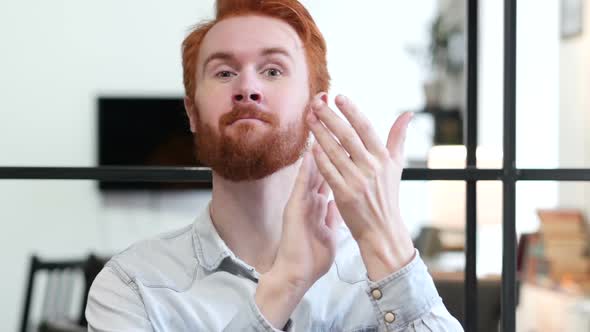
(247, 35)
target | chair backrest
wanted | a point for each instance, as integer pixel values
(62, 287)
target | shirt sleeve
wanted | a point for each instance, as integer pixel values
(114, 305)
(407, 300)
(253, 320)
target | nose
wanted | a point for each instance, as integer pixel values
(247, 91)
(247, 97)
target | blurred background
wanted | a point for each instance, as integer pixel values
(100, 83)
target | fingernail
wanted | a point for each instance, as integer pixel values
(342, 99)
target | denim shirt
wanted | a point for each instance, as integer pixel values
(189, 280)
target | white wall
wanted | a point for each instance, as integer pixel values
(57, 56)
(574, 124)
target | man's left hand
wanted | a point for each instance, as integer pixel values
(365, 178)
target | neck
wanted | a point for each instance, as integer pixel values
(248, 215)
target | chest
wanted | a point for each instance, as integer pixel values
(210, 304)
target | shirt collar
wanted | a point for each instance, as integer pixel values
(210, 248)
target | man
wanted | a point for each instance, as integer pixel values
(271, 251)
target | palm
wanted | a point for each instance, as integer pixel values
(315, 241)
(309, 241)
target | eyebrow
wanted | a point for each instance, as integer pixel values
(227, 56)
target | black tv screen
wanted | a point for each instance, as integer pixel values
(141, 131)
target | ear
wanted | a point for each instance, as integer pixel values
(189, 107)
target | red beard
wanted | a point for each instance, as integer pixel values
(243, 157)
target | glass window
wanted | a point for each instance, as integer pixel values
(554, 266)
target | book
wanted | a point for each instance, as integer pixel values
(564, 247)
(562, 222)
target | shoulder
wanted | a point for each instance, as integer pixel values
(167, 260)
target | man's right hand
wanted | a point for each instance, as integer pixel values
(307, 249)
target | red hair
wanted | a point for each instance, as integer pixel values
(289, 11)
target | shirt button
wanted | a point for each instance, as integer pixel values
(389, 317)
(376, 294)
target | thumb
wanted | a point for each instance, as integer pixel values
(397, 136)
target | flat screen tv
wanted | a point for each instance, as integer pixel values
(143, 131)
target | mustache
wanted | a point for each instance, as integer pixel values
(248, 111)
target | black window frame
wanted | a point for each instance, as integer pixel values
(508, 174)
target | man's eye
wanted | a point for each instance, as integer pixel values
(273, 72)
(224, 74)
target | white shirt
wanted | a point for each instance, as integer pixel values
(189, 280)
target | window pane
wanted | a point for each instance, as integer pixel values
(448, 210)
(574, 66)
(537, 85)
(552, 80)
(552, 225)
(441, 241)
(491, 79)
(551, 99)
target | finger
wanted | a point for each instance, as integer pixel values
(301, 182)
(315, 177)
(333, 218)
(397, 136)
(362, 125)
(345, 134)
(328, 170)
(324, 188)
(335, 152)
